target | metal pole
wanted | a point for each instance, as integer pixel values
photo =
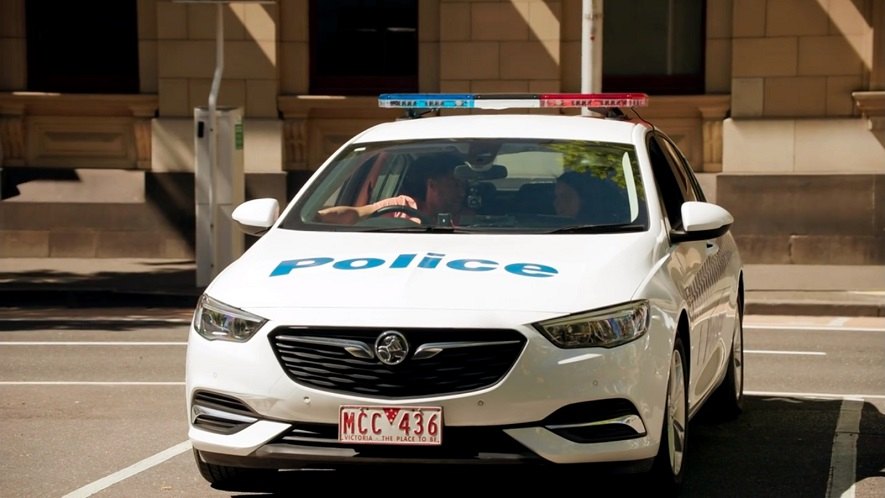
(586, 45)
(213, 133)
(591, 49)
(597, 45)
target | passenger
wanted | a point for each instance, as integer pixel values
(589, 199)
(571, 194)
(429, 187)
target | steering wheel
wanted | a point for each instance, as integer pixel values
(398, 208)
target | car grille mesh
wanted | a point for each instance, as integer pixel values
(473, 359)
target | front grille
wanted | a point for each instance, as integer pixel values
(467, 360)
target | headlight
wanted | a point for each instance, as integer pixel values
(216, 320)
(604, 328)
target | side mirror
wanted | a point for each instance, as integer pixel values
(701, 221)
(256, 216)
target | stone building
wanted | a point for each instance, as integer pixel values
(778, 104)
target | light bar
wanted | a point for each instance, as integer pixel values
(510, 100)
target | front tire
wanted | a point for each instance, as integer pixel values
(728, 399)
(669, 465)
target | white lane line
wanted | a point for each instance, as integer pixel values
(90, 343)
(843, 458)
(838, 322)
(769, 351)
(821, 328)
(80, 319)
(85, 383)
(779, 394)
(151, 461)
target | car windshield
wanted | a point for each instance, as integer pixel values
(477, 185)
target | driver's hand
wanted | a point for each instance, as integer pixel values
(341, 215)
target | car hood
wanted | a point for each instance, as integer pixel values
(555, 273)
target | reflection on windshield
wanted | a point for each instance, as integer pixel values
(477, 185)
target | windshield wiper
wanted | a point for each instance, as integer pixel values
(600, 229)
(417, 229)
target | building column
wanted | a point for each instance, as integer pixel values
(872, 106)
(711, 130)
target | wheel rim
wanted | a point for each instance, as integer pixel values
(737, 355)
(676, 416)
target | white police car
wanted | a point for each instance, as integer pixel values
(578, 304)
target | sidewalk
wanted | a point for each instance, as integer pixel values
(84, 282)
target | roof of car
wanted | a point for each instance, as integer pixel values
(503, 126)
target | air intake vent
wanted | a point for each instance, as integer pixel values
(220, 413)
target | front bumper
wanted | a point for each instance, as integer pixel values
(553, 406)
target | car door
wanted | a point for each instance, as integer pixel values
(691, 262)
(719, 256)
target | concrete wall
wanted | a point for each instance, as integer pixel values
(98, 213)
(802, 174)
(807, 219)
(800, 58)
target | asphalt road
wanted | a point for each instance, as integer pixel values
(92, 403)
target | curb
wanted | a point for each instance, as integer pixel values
(85, 297)
(815, 309)
(95, 298)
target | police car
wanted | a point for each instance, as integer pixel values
(579, 304)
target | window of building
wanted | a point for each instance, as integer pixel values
(653, 46)
(82, 47)
(363, 47)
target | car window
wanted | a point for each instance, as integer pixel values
(500, 185)
(688, 181)
(673, 184)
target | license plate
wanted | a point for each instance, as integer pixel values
(416, 425)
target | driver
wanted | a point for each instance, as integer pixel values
(430, 188)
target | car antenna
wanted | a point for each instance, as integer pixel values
(642, 118)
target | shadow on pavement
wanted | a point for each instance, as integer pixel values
(779, 446)
(490, 480)
(164, 285)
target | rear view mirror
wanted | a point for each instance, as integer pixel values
(493, 172)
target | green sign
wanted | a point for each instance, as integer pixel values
(238, 136)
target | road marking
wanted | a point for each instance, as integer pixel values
(102, 319)
(90, 343)
(843, 459)
(85, 383)
(821, 328)
(136, 468)
(776, 394)
(838, 322)
(768, 351)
